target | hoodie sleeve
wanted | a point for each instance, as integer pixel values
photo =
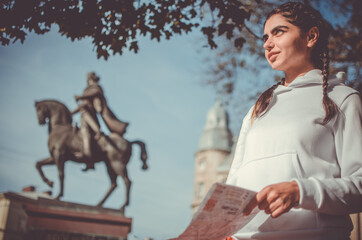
(340, 195)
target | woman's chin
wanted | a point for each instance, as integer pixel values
(276, 67)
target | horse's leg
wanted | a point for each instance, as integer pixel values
(113, 176)
(59, 160)
(39, 164)
(127, 182)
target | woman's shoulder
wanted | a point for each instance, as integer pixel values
(338, 90)
(341, 92)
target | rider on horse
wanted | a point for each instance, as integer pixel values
(64, 142)
(93, 102)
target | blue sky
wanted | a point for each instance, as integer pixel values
(157, 90)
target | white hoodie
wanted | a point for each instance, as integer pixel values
(289, 143)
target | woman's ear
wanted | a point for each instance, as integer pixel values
(312, 36)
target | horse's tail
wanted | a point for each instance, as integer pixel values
(143, 152)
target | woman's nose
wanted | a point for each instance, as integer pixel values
(268, 45)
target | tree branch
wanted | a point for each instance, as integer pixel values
(252, 33)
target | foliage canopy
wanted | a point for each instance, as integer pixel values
(115, 25)
(234, 25)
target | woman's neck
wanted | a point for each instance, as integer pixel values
(291, 75)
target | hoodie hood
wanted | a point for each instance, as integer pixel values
(313, 77)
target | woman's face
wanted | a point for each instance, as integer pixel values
(285, 46)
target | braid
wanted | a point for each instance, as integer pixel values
(263, 101)
(329, 106)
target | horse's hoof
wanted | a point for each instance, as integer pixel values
(144, 167)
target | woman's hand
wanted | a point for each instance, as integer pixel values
(275, 199)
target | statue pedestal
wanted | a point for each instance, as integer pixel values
(36, 216)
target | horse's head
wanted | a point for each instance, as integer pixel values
(42, 112)
(53, 112)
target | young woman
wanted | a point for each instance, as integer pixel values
(300, 145)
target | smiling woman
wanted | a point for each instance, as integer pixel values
(300, 145)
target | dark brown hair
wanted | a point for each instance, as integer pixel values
(304, 17)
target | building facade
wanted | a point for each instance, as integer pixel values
(213, 157)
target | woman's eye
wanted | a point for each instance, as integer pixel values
(278, 32)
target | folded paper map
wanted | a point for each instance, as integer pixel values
(220, 215)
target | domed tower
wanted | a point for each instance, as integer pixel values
(214, 146)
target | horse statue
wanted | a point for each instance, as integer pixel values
(65, 142)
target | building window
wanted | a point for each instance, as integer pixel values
(201, 190)
(202, 165)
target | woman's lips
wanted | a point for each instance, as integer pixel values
(272, 56)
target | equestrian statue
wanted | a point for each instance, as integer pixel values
(88, 144)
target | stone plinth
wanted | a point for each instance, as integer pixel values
(36, 216)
